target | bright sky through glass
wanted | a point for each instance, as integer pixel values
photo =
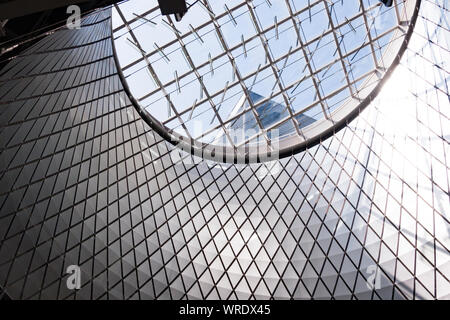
(233, 71)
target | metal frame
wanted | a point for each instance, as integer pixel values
(244, 152)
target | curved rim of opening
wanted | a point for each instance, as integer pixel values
(324, 129)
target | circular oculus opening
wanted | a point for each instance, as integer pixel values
(251, 81)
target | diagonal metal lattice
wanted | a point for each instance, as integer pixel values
(85, 181)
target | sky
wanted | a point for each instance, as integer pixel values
(236, 24)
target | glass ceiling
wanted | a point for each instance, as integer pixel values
(239, 73)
